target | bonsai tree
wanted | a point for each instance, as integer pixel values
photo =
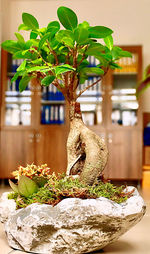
(59, 56)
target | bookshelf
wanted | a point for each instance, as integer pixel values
(124, 118)
(52, 106)
(33, 125)
(124, 101)
(17, 105)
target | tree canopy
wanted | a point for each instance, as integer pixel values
(60, 56)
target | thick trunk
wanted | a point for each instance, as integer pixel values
(87, 153)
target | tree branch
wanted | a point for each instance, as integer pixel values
(42, 59)
(86, 88)
(56, 83)
(83, 57)
(55, 55)
(53, 52)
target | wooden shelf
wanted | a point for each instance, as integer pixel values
(48, 102)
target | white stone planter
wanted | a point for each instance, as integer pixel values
(73, 226)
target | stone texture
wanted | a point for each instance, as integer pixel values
(73, 226)
(7, 207)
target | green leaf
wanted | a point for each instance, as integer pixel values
(82, 77)
(66, 37)
(37, 68)
(33, 35)
(29, 43)
(32, 42)
(30, 21)
(146, 72)
(11, 46)
(109, 41)
(92, 70)
(68, 42)
(20, 37)
(64, 33)
(54, 44)
(104, 59)
(37, 61)
(23, 55)
(99, 32)
(84, 24)
(67, 18)
(94, 48)
(84, 64)
(81, 35)
(117, 53)
(63, 68)
(53, 27)
(114, 66)
(22, 66)
(61, 59)
(17, 74)
(24, 83)
(42, 30)
(51, 59)
(125, 54)
(23, 27)
(40, 180)
(26, 186)
(44, 38)
(13, 186)
(47, 80)
(143, 85)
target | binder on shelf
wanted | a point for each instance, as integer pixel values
(61, 114)
(44, 93)
(14, 65)
(8, 84)
(50, 95)
(52, 114)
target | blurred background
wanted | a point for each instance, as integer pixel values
(34, 124)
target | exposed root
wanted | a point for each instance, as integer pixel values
(87, 153)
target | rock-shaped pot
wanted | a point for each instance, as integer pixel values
(73, 226)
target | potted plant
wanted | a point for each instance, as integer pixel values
(78, 214)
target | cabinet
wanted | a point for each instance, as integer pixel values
(17, 148)
(110, 109)
(33, 124)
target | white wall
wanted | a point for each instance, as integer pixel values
(130, 20)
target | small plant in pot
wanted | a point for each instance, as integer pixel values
(77, 212)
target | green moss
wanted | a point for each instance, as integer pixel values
(12, 195)
(58, 188)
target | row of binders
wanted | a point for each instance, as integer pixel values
(93, 61)
(14, 86)
(51, 93)
(52, 114)
(16, 62)
(128, 64)
(95, 89)
(18, 114)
